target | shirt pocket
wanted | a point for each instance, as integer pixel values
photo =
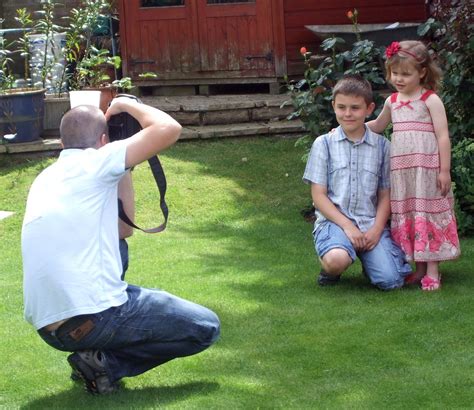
(369, 178)
(338, 176)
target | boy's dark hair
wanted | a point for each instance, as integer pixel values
(354, 84)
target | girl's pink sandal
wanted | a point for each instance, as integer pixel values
(429, 284)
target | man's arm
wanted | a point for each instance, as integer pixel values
(159, 130)
(372, 236)
(127, 196)
(328, 209)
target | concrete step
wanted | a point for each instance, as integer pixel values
(196, 110)
(282, 128)
(202, 117)
(222, 109)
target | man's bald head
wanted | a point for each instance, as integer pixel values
(82, 127)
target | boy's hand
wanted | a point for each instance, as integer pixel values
(372, 237)
(356, 237)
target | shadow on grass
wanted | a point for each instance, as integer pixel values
(77, 398)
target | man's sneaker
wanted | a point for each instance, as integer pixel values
(75, 376)
(89, 366)
(327, 280)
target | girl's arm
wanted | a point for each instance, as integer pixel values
(440, 124)
(385, 117)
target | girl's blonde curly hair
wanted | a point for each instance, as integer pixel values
(416, 53)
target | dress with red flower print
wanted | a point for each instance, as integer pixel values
(423, 221)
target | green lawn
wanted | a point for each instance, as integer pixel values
(236, 242)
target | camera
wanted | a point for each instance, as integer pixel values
(123, 125)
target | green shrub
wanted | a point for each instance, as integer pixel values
(311, 96)
(450, 35)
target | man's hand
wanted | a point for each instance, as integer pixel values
(356, 237)
(116, 106)
(158, 132)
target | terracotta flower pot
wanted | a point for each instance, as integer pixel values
(107, 94)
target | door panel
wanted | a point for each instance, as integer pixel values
(160, 38)
(236, 36)
(198, 38)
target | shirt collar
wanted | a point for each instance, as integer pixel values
(368, 137)
(67, 152)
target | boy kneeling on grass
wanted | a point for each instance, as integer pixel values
(349, 173)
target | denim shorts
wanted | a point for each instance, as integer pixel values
(385, 264)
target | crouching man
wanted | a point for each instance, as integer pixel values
(73, 292)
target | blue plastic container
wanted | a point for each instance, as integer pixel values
(21, 114)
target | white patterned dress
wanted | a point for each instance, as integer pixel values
(423, 221)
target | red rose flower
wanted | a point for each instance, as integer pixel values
(350, 15)
(392, 49)
(303, 50)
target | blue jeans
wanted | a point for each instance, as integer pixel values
(151, 328)
(385, 264)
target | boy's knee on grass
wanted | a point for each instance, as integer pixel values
(336, 261)
(389, 285)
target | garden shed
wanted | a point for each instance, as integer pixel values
(202, 42)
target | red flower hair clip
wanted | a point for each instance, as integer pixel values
(393, 49)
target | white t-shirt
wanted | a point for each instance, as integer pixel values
(70, 244)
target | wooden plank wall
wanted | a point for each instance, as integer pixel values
(8, 9)
(298, 13)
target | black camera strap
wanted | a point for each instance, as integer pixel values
(123, 126)
(160, 179)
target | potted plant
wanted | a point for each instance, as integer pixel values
(21, 105)
(87, 64)
(93, 66)
(48, 65)
(92, 73)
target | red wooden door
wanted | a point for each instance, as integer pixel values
(236, 37)
(198, 38)
(160, 39)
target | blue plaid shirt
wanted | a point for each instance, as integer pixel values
(352, 172)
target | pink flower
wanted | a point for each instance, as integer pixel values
(403, 236)
(392, 49)
(352, 15)
(435, 237)
(451, 233)
(421, 234)
(303, 50)
(427, 235)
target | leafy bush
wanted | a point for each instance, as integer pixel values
(463, 176)
(450, 33)
(311, 96)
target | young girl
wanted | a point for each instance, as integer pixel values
(423, 221)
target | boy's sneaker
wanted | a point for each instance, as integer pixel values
(327, 280)
(89, 366)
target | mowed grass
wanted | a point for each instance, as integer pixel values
(237, 243)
